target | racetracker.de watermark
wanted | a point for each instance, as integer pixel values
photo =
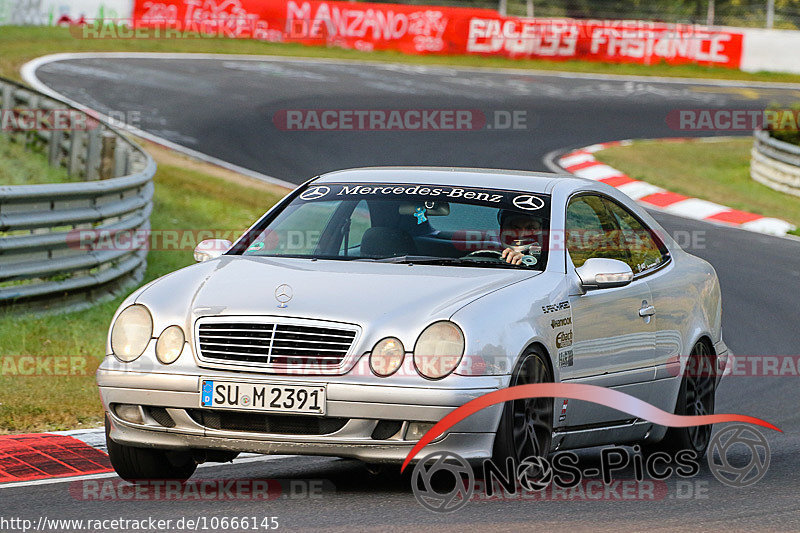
(733, 119)
(207, 28)
(150, 523)
(46, 365)
(154, 240)
(160, 22)
(205, 490)
(20, 119)
(38, 119)
(301, 241)
(399, 120)
(779, 366)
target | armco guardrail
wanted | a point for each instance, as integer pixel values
(47, 259)
(775, 163)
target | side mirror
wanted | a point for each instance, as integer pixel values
(600, 273)
(211, 249)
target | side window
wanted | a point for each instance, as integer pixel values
(592, 231)
(642, 248)
(360, 222)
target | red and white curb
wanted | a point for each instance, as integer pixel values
(583, 164)
(65, 456)
(37, 456)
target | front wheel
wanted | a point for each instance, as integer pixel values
(695, 398)
(145, 464)
(526, 425)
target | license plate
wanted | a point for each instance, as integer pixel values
(266, 397)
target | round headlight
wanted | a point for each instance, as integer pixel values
(387, 356)
(170, 345)
(439, 350)
(131, 333)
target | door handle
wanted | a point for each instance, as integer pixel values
(647, 310)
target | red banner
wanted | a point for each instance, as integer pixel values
(415, 29)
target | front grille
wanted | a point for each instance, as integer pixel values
(266, 423)
(385, 429)
(160, 415)
(274, 343)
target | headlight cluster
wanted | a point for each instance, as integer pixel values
(437, 353)
(387, 356)
(131, 333)
(170, 345)
(133, 330)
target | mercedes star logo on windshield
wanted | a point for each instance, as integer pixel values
(314, 193)
(528, 202)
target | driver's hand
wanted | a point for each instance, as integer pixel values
(511, 256)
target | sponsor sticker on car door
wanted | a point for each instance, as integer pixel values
(560, 316)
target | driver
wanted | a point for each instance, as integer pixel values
(518, 232)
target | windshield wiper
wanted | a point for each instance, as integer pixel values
(401, 260)
(409, 259)
(311, 257)
(433, 260)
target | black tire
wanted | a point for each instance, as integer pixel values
(696, 396)
(526, 426)
(145, 464)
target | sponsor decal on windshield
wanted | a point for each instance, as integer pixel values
(493, 197)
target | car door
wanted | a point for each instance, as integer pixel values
(612, 345)
(650, 258)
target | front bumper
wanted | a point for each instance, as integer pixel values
(363, 406)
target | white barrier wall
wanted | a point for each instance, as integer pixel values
(50, 12)
(771, 50)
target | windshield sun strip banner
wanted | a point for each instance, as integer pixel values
(524, 202)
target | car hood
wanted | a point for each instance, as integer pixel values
(343, 291)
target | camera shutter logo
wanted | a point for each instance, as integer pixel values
(534, 473)
(725, 445)
(459, 482)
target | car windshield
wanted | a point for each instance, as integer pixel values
(407, 223)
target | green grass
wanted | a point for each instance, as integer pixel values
(184, 199)
(718, 172)
(23, 166)
(21, 44)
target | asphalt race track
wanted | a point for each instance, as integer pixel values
(225, 108)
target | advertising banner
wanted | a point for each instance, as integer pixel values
(413, 29)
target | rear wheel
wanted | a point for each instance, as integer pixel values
(695, 398)
(526, 425)
(144, 464)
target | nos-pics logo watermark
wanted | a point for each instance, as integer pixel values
(444, 482)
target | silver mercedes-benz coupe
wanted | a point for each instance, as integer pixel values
(369, 303)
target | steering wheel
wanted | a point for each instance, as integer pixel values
(527, 260)
(494, 254)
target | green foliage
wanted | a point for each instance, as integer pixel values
(786, 123)
(22, 166)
